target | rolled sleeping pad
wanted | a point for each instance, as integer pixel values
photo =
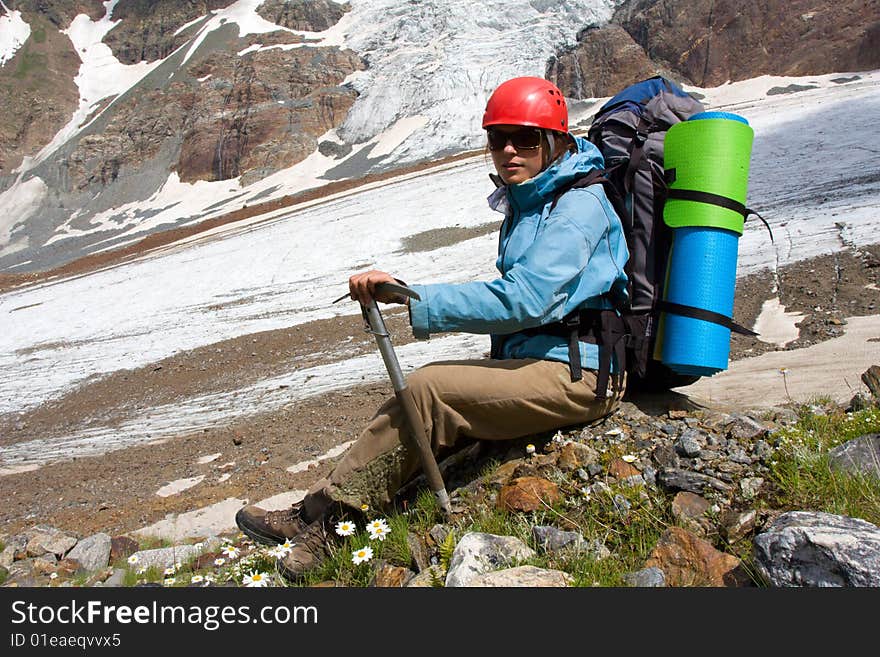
(707, 158)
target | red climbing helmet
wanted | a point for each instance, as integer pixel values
(527, 101)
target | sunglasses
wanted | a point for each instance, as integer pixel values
(524, 139)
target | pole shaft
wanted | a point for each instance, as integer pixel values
(408, 404)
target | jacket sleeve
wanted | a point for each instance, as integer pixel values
(552, 277)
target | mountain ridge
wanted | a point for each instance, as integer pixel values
(248, 106)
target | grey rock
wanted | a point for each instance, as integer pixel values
(478, 553)
(743, 427)
(819, 549)
(751, 487)
(762, 450)
(49, 539)
(427, 578)
(621, 505)
(552, 539)
(92, 552)
(858, 456)
(16, 548)
(676, 479)
(117, 578)
(163, 558)
(646, 577)
(522, 576)
(735, 525)
(687, 444)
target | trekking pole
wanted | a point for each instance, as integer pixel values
(376, 326)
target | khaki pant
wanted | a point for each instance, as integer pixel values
(481, 399)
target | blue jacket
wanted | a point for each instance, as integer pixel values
(551, 264)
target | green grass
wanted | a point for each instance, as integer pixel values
(802, 473)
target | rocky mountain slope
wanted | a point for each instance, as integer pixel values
(220, 106)
(709, 42)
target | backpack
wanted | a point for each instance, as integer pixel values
(629, 131)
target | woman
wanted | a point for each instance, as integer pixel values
(557, 256)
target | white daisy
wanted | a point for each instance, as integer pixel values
(379, 523)
(133, 559)
(219, 561)
(197, 579)
(231, 551)
(345, 528)
(377, 531)
(362, 555)
(278, 551)
(255, 580)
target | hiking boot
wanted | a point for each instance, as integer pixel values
(310, 549)
(271, 527)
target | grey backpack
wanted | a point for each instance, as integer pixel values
(629, 131)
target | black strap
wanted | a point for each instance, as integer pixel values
(705, 315)
(608, 331)
(714, 199)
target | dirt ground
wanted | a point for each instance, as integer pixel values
(116, 493)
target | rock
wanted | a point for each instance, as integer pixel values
(688, 444)
(121, 547)
(528, 494)
(418, 551)
(646, 577)
(551, 539)
(711, 43)
(801, 548)
(574, 455)
(744, 427)
(688, 560)
(522, 576)
(605, 60)
(431, 577)
(751, 487)
(45, 539)
(620, 469)
(736, 524)
(478, 553)
(688, 509)
(388, 576)
(858, 456)
(117, 577)
(871, 378)
(16, 548)
(674, 479)
(163, 558)
(92, 552)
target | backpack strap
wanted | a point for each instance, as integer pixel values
(711, 199)
(705, 315)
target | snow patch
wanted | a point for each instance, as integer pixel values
(396, 135)
(302, 466)
(13, 33)
(18, 203)
(179, 485)
(774, 325)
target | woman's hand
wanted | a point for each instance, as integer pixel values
(362, 287)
